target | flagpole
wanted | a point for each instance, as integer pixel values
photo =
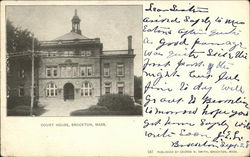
(32, 77)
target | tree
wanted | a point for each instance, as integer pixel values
(18, 39)
(138, 87)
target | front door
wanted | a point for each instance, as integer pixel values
(68, 91)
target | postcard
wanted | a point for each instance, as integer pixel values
(125, 78)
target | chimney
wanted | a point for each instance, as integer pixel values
(130, 50)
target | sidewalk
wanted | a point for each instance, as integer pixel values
(64, 108)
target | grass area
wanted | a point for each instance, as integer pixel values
(90, 112)
(25, 111)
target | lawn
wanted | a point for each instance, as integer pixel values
(24, 110)
(137, 111)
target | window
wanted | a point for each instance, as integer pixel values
(85, 53)
(86, 89)
(55, 71)
(86, 70)
(75, 72)
(89, 70)
(48, 70)
(51, 71)
(51, 90)
(106, 69)
(120, 69)
(120, 88)
(21, 73)
(107, 87)
(82, 53)
(83, 71)
(21, 90)
(52, 53)
(88, 53)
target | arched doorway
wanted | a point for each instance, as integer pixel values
(68, 91)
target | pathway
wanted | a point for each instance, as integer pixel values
(64, 108)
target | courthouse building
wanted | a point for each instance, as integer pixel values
(74, 66)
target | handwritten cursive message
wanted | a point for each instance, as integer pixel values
(195, 70)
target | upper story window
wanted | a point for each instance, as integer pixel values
(51, 71)
(52, 53)
(88, 53)
(86, 70)
(89, 70)
(21, 90)
(65, 53)
(120, 69)
(48, 72)
(106, 70)
(21, 73)
(83, 71)
(85, 53)
(54, 71)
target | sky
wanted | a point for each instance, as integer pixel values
(112, 24)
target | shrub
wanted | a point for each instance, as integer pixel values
(19, 111)
(18, 101)
(86, 112)
(25, 111)
(138, 110)
(116, 102)
(15, 101)
(98, 108)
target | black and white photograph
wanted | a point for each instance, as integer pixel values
(125, 78)
(74, 60)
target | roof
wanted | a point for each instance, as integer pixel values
(70, 36)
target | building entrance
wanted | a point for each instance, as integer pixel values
(68, 91)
